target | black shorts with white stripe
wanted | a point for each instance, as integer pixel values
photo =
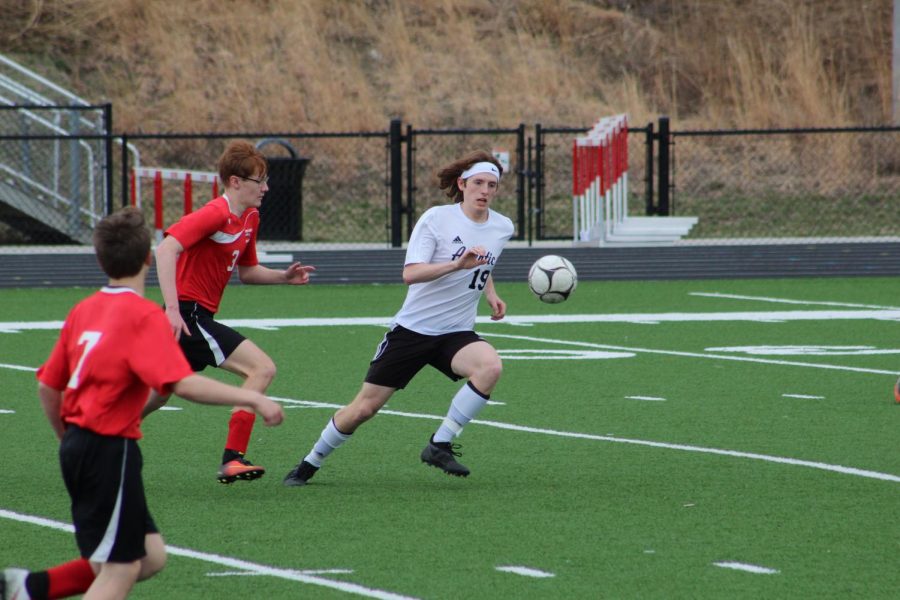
(402, 353)
(109, 509)
(210, 342)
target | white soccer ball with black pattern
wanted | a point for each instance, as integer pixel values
(552, 278)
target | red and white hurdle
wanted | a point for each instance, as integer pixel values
(600, 180)
(158, 175)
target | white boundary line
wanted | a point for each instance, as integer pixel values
(607, 438)
(738, 566)
(234, 563)
(643, 318)
(791, 301)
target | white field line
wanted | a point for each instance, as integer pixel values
(234, 563)
(803, 396)
(646, 398)
(618, 440)
(791, 301)
(767, 361)
(649, 318)
(737, 566)
(606, 438)
(526, 571)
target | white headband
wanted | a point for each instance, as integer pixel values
(482, 167)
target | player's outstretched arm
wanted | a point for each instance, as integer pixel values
(204, 390)
(296, 274)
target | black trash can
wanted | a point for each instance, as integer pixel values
(281, 213)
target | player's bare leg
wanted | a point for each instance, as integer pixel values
(114, 581)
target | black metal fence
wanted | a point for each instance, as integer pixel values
(788, 183)
(341, 188)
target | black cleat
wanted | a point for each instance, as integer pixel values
(300, 474)
(441, 455)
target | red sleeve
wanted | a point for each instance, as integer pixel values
(55, 372)
(248, 256)
(198, 225)
(160, 361)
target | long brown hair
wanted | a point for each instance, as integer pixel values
(448, 175)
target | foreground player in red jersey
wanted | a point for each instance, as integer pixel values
(194, 264)
(113, 347)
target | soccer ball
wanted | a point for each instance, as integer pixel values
(552, 278)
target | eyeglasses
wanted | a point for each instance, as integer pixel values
(261, 181)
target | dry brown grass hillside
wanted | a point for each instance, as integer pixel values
(327, 65)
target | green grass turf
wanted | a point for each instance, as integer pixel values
(608, 518)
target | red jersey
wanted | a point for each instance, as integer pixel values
(214, 241)
(114, 346)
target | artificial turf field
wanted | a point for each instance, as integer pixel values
(680, 439)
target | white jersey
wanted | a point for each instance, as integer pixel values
(450, 303)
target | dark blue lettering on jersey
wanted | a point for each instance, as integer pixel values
(491, 259)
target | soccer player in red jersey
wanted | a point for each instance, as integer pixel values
(113, 347)
(194, 263)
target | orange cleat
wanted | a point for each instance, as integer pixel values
(239, 468)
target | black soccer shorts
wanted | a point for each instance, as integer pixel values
(96, 470)
(210, 342)
(403, 353)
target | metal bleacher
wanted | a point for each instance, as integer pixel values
(51, 187)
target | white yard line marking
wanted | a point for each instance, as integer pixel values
(737, 566)
(234, 563)
(803, 396)
(646, 398)
(608, 438)
(789, 301)
(303, 572)
(733, 453)
(18, 368)
(544, 354)
(526, 571)
(888, 314)
(3, 411)
(692, 354)
(804, 350)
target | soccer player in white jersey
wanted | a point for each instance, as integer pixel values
(451, 253)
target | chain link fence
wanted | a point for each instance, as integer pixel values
(325, 189)
(432, 149)
(775, 185)
(58, 175)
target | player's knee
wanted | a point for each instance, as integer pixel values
(264, 371)
(152, 564)
(490, 371)
(363, 412)
(155, 559)
(268, 370)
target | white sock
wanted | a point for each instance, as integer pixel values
(329, 440)
(466, 405)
